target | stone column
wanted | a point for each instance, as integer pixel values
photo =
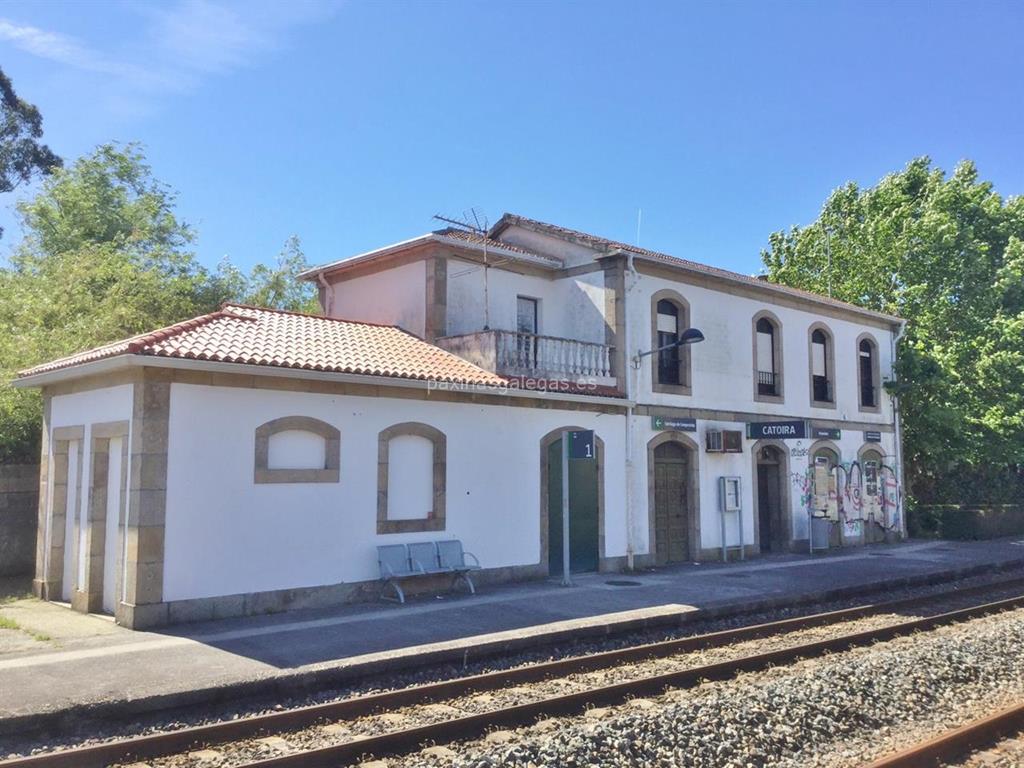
(143, 605)
(40, 583)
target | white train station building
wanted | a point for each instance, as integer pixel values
(253, 460)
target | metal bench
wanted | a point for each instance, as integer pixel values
(425, 558)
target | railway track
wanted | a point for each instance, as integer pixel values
(958, 743)
(464, 726)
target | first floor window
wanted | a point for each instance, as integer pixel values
(668, 333)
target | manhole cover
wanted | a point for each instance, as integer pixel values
(623, 583)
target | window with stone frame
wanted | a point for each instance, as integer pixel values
(670, 368)
(411, 478)
(297, 449)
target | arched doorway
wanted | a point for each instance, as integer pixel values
(585, 506)
(871, 495)
(771, 499)
(672, 499)
(825, 461)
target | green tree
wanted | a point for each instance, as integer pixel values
(273, 286)
(947, 254)
(103, 257)
(22, 156)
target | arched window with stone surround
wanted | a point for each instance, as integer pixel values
(767, 359)
(822, 366)
(297, 449)
(411, 478)
(670, 368)
(868, 377)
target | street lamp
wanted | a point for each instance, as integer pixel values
(689, 336)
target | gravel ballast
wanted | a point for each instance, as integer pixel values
(333, 733)
(837, 711)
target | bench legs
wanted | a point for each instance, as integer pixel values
(457, 576)
(398, 591)
(464, 576)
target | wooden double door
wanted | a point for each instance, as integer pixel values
(672, 513)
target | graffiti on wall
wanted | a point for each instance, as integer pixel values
(845, 498)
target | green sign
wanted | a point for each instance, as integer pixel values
(673, 422)
(826, 433)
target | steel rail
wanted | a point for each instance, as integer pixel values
(957, 743)
(161, 744)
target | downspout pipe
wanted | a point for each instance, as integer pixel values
(630, 383)
(898, 430)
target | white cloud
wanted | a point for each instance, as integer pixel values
(177, 45)
(50, 45)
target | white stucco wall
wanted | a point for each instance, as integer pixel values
(395, 296)
(712, 466)
(227, 535)
(722, 365)
(570, 308)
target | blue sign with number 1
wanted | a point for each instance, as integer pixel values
(581, 445)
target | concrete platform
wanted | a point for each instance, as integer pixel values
(60, 664)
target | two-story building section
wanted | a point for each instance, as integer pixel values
(253, 460)
(785, 393)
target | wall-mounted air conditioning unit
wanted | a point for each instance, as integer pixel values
(732, 441)
(723, 441)
(713, 441)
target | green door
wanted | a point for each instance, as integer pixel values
(583, 527)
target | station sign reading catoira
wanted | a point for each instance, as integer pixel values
(777, 430)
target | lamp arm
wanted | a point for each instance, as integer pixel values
(673, 345)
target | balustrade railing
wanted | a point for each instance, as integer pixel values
(551, 356)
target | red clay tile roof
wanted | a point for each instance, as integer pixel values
(603, 244)
(256, 336)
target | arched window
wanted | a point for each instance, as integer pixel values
(822, 367)
(767, 358)
(868, 374)
(411, 478)
(668, 333)
(297, 449)
(671, 367)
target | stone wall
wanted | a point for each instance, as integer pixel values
(19, 502)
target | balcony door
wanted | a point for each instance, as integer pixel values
(526, 332)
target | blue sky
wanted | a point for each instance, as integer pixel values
(351, 123)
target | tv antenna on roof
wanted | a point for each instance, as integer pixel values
(476, 224)
(471, 221)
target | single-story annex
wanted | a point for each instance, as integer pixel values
(253, 460)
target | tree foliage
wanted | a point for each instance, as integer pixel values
(947, 254)
(105, 257)
(274, 286)
(22, 156)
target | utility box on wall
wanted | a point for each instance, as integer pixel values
(730, 502)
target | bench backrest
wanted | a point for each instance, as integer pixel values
(450, 555)
(393, 559)
(425, 554)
